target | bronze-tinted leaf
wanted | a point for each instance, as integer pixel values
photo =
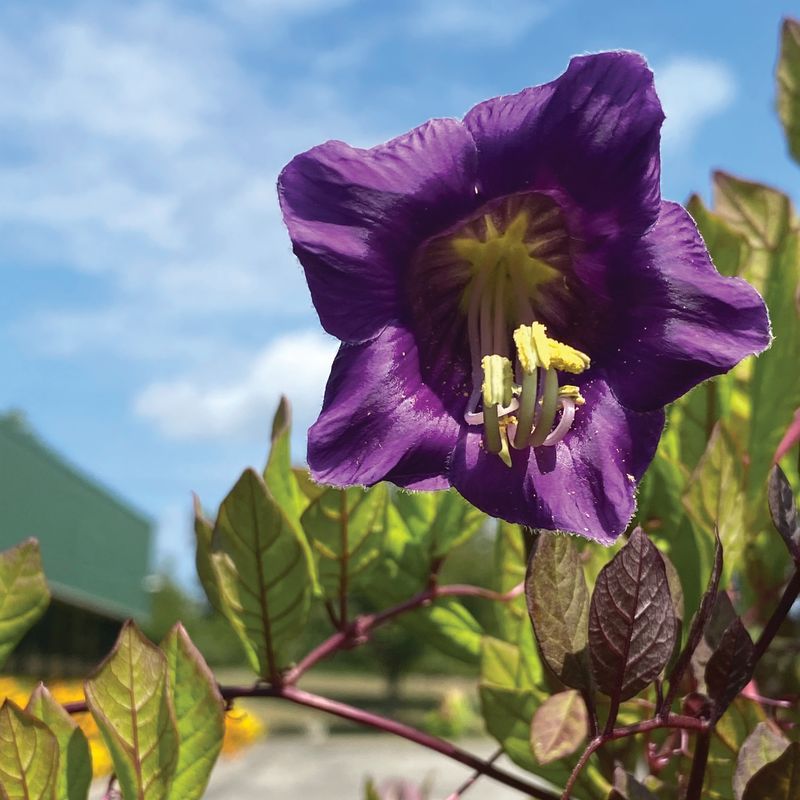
(558, 604)
(789, 84)
(763, 745)
(730, 666)
(778, 780)
(631, 620)
(559, 726)
(783, 509)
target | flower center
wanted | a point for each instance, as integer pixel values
(507, 271)
(503, 288)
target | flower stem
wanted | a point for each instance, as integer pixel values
(697, 776)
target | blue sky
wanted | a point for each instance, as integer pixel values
(151, 310)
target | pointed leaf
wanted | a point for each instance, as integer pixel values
(783, 510)
(204, 537)
(758, 212)
(631, 621)
(715, 500)
(626, 787)
(701, 618)
(778, 780)
(763, 745)
(559, 726)
(74, 757)
(346, 528)
(730, 667)
(403, 571)
(28, 755)
(24, 595)
(558, 604)
(439, 521)
(728, 247)
(129, 699)
(278, 473)
(264, 572)
(789, 84)
(199, 714)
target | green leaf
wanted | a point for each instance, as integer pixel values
(558, 604)
(28, 755)
(199, 714)
(510, 560)
(278, 473)
(24, 595)
(788, 74)
(129, 699)
(440, 520)
(763, 745)
(346, 529)
(631, 620)
(74, 757)
(403, 572)
(778, 780)
(264, 572)
(761, 214)
(204, 537)
(775, 390)
(559, 726)
(728, 247)
(715, 499)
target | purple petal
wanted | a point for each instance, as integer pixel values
(680, 321)
(379, 421)
(585, 484)
(593, 132)
(355, 217)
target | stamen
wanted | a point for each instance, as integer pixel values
(500, 329)
(564, 424)
(547, 413)
(567, 359)
(527, 410)
(496, 394)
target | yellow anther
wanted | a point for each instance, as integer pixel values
(533, 347)
(497, 382)
(573, 393)
(567, 359)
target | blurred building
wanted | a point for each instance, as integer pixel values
(95, 550)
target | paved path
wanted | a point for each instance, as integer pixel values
(297, 768)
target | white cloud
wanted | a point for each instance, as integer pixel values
(491, 22)
(147, 157)
(204, 408)
(692, 90)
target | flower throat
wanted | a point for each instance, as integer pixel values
(516, 395)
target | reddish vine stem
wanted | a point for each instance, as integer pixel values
(469, 782)
(680, 721)
(695, 789)
(357, 631)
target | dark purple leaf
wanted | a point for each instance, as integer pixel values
(558, 604)
(699, 622)
(731, 664)
(631, 620)
(783, 509)
(722, 615)
(778, 780)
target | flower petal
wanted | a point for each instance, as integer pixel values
(585, 484)
(379, 421)
(594, 132)
(355, 217)
(680, 321)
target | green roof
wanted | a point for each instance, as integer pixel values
(95, 548)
